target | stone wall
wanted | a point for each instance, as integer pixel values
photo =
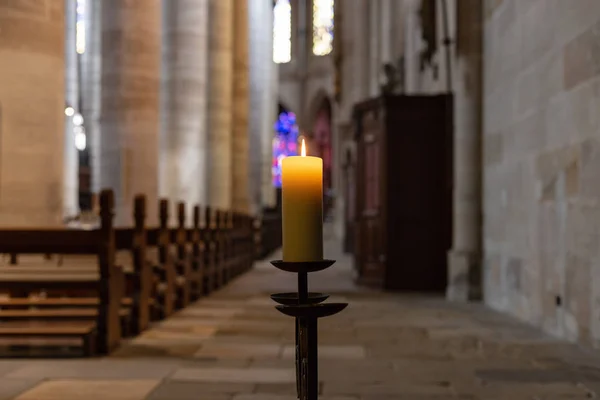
(530, 127)
(541, 161)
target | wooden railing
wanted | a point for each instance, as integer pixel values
(268, 232)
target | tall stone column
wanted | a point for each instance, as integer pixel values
(263, 99)
(91, 70)
(361, 35)
(183, 135)
(220, 103)
(258, 70)
(71, 157)
(240, 110)
(32, 103)
(129, 121)
(386, 21)
(374, 46)
(464, 259)
(268, 131)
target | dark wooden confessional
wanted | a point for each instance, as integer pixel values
(404, 177)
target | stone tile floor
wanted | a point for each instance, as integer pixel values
(235, 346)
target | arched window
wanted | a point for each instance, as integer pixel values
(322, 27)
(80, 27)
(282, 32)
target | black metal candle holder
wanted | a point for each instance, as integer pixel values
(306, 307)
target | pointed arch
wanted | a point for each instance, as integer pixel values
(320, 100)
(320, 124)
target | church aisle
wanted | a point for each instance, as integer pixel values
(236, 346)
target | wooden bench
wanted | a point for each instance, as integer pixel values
(268, 231)
(242, 243)
(86, 332)
(195, 251)
(131, 246)
(211, 259)
(55, 313)
(162, 262)
(182, 255)
(108, 282)
(145, 273)
(141, 285)
(71, 302)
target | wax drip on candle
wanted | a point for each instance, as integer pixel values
(303, 151)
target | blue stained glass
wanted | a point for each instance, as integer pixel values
(285, 143)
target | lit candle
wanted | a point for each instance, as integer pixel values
(302, 214)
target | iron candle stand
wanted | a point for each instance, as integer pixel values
(306, 308)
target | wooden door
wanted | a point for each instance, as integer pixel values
(369, 224)
(419, 147)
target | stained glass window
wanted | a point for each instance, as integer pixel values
(282, 32)
(322, 27)
(285, 143)
(80, 27)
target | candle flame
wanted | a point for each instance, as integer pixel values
(303, 151)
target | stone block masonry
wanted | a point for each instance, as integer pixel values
(541, 155)
(32, 101)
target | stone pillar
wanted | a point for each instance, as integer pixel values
(261, 68)
(374, 47)
(361, 33)
(32, 103)
(240, 110)
(464, 260)
(71, 157)
(128, 142)
(91, 70)
(183, 135)
(385, 25)
(412, 37)
(268, 131)
(220, 103)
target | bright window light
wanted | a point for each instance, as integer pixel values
(282, 32)
(322, 27)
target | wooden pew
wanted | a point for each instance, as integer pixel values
(166, 269)
(245, 246)
(194, 238)
(141, 283)
(183, 259)
(229, 255)
(220, 240)
(236, 242)
(130, 244)
(270, 232)
(162, 263)
(208, 235)
(99, 336)
(195, 255)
